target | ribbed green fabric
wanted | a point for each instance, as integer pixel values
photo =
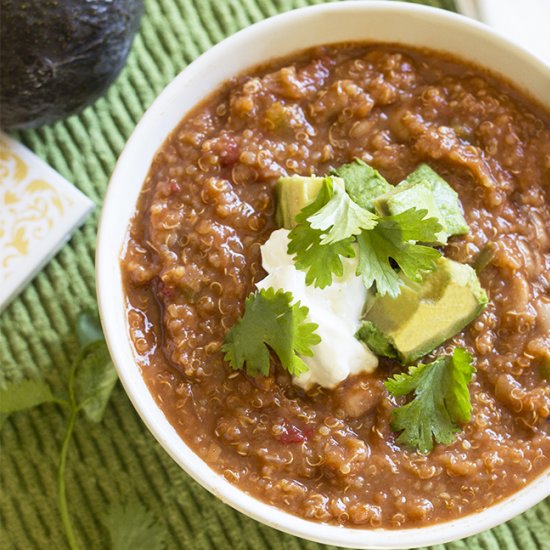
(118, 458)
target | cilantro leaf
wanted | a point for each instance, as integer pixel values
(18, 396)
(363, 183)
(133, 527)
(95, 376)
(441, 401)
(88, 328)
(394, 237)
(95, 379)
(91, 380)
(270, 322)
(319, 261)
(413, 225)
(341, 216)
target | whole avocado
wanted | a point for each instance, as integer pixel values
(58, 56)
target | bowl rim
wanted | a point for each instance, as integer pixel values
(130, 374)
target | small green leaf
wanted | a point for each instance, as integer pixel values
(270, 322)
(319, 261)
(363, 183)
(18, 396)
(341, 217)
(88, 328)
(95, 378)
(441, 400)
(132, 527)
(395, 238)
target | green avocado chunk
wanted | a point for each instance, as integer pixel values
(363, 183)
(425, 189)
(293, 194)
(423, 315)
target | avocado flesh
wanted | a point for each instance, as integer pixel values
(293, 194)
(425, 189)
(363, 183)
(423, 315)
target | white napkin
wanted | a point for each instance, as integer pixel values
(525, 22)
(39, 209)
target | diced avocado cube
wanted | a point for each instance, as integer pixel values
(363, 183)
(293, 194)
(425, 189)
(446, 199)
(406, 196)
(423, 315)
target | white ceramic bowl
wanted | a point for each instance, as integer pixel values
(347, 21)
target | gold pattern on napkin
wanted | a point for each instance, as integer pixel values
(38, 211)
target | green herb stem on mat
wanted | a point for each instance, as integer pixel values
(61, 487)
(91, 381)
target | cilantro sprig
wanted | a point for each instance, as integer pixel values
(132, 527)
(91, 382)
(396, 238)
(320, 261)
(271, 323)
(363, 182)
(334, 226)
(340, 217)
(441, 401)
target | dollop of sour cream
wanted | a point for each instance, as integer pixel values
(336, 309)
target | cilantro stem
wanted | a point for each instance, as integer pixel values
(89, 387)
(61, 487)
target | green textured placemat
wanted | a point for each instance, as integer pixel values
(118, 458)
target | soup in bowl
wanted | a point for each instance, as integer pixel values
(323, 274)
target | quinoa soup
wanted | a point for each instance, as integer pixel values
(193, 256)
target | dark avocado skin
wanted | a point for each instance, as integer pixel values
(58, 56)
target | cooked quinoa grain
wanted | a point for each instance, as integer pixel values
(192, 257)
